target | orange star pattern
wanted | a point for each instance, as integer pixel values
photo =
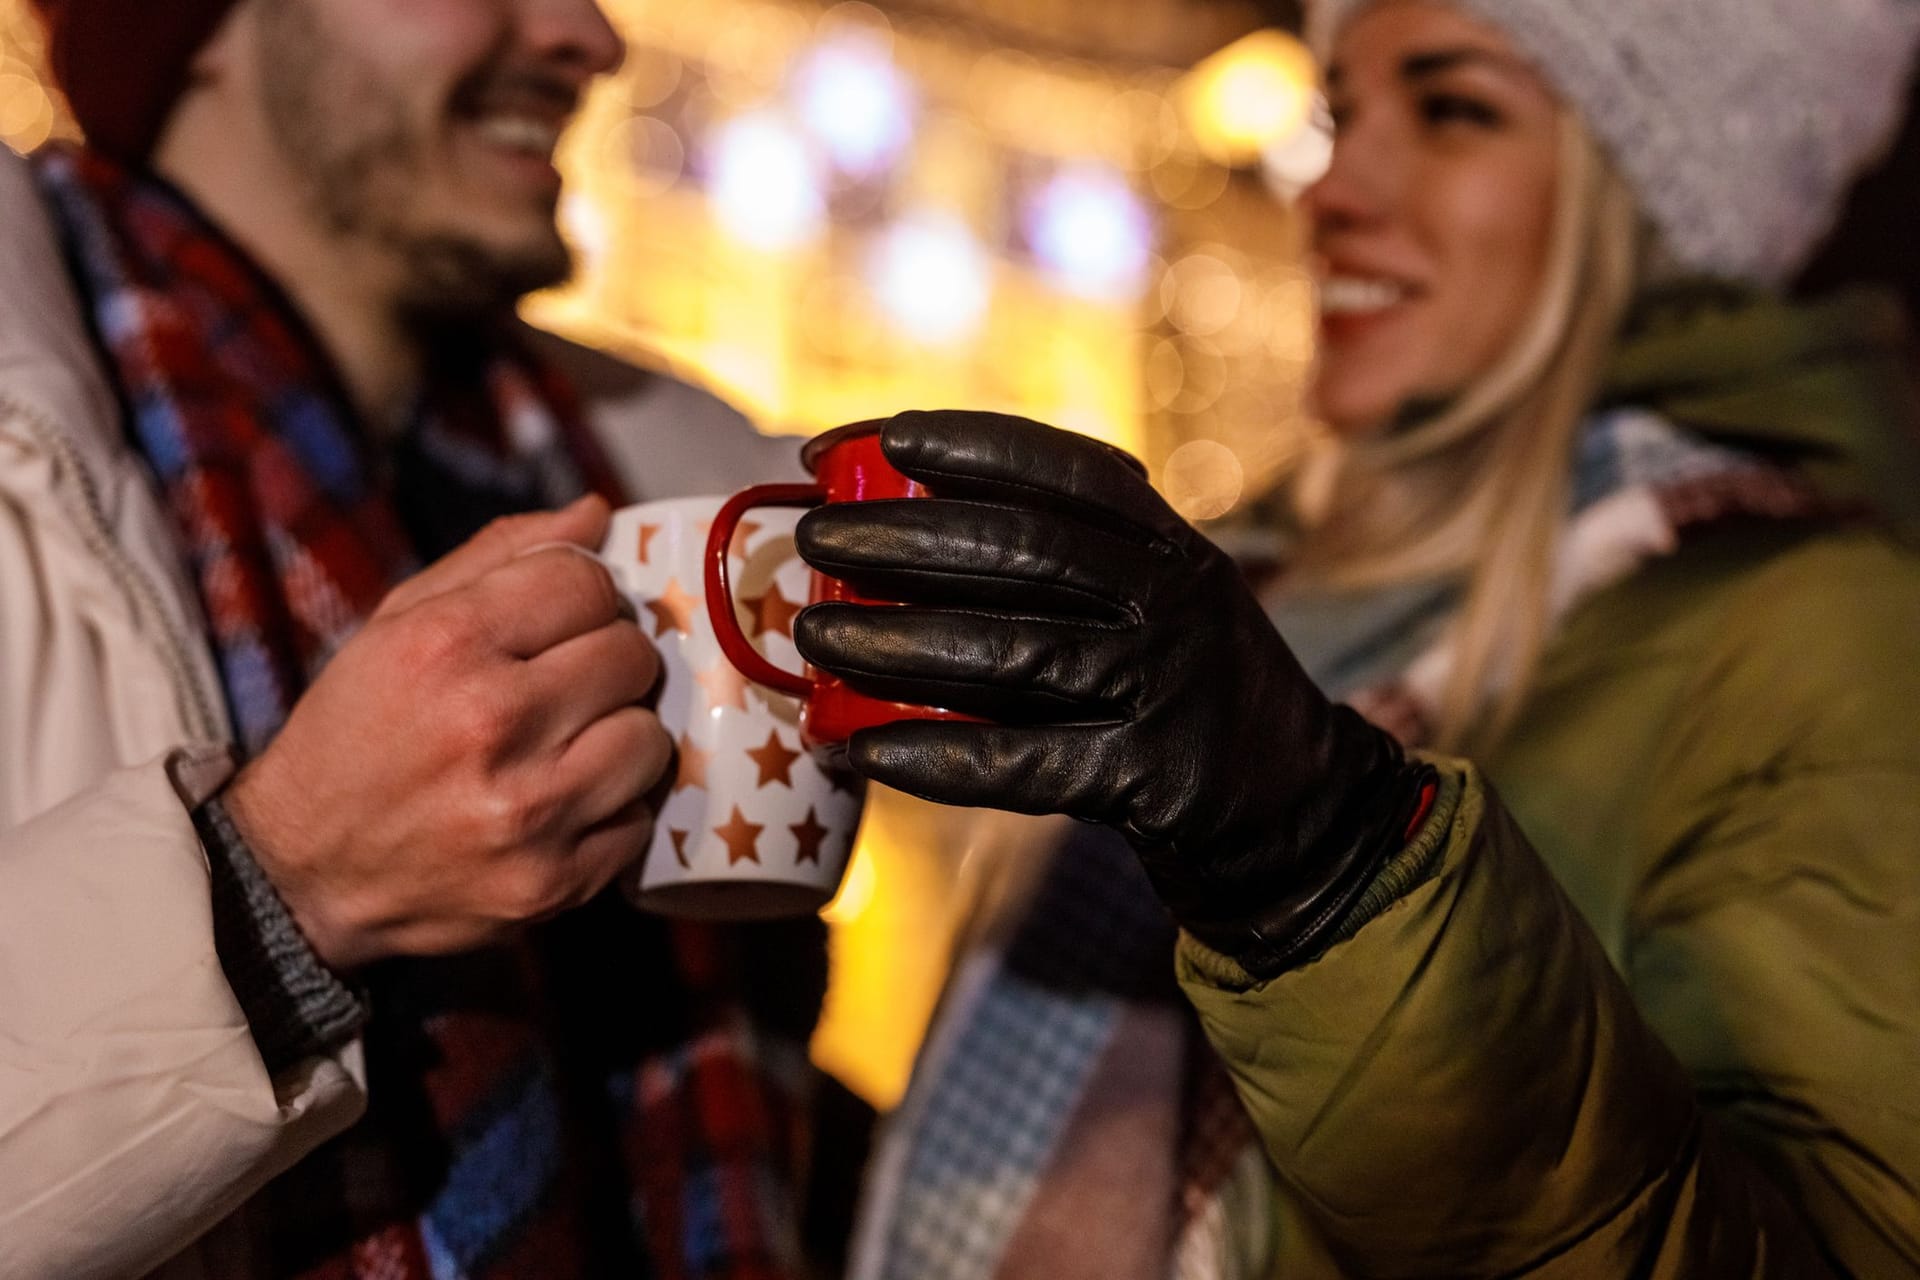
(673, 611)
(811, 836)
(742, 837)
(773, 612)
(680, 846)
(744, 535)
(774, 760)
(693, 766)
(648, 532)
(725, 687)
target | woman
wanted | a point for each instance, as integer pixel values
(1605, 513)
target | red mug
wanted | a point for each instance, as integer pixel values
(848, 466)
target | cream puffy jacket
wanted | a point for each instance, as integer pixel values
(136, 1117)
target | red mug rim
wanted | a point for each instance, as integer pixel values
(810, 452)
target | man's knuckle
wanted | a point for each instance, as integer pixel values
(515, 816)
(589, 581)
(530, 889)
(444, 636)
(503, 533)
(480, 719)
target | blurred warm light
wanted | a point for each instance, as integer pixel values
(28, 114)
(1251, 96)
(1202, 294)
(932, 277)
(587, 229)
(893, 924)
(855, 103)
(1203, 479)
(766, 186)
(1296, 162)
(1091, 233)
(855, 899)
(649, 152)
(1189, 181)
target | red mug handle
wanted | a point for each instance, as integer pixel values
(746, 659)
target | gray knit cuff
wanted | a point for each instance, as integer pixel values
(296, 1007)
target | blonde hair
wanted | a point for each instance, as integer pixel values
(1482, 488)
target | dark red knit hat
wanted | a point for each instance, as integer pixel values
(123, 63)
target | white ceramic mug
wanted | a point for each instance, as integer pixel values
(753, 827)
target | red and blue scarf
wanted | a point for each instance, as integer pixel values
(597, 1100)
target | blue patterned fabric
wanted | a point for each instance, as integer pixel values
(989, 1106)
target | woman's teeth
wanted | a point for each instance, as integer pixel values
(521, 133)
(1346, 295)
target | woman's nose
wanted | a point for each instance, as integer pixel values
(1357, 189)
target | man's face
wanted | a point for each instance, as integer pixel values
(425, 129)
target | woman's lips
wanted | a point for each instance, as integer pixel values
(1354, 305)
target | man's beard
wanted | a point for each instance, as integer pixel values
(348, 137)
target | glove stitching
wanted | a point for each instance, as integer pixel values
(1099, 625)
(845, 671)
(1111, 519)
(852, 572)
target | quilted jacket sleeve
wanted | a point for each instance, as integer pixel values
(1469, 1086)
(135, 1109)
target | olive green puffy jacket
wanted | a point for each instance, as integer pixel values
(1656, 1012)
(1655, 1009)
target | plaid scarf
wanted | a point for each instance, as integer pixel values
(1641, 487)
(1067, 1120)
(593, 1101)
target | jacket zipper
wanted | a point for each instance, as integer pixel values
(195, 700)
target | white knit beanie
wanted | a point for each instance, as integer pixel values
(1739, 123)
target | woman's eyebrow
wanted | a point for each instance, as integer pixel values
(1420, 66)
(1416, 67)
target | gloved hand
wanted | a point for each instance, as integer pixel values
(1129, 676)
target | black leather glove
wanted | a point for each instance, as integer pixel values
(1130, 677)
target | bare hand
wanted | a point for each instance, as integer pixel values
(473, 760)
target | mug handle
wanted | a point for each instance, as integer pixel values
(746, 659)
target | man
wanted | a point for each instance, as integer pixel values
(257, 367)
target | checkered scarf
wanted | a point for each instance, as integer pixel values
(593, 1101)
(1067, 1120)
(1641, 487)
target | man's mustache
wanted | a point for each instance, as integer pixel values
(493, 90)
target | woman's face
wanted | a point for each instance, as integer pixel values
(1433, 224)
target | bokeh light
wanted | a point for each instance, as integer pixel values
(932, 276)
(648, 151)
(1299, 160)
(766, 185)
(1202, 293)
(1091, 233)
(1250, 96)
(855, 103)
(1203, 479)
(588, 231)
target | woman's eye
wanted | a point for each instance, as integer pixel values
(1338, 115)
(1448, 109)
